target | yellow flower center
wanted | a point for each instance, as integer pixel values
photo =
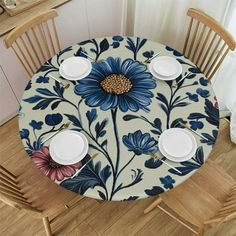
(116, 84)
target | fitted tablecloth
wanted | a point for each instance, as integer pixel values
(122, 110)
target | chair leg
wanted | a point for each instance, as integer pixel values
(153, 205)
(201, 232)
(47, 226)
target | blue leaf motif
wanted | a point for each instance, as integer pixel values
(28, 85)
(129, 117)
(53, 119)
(211, 139)
(203, 82)
(194, 70)
(99, 128)
(153, 163)
(74, 120)
(45, 91)
(185, 169)
(91, 176)
(156, 190)
(115, 44)
(200, 156)
(33, 99)
(212, 112)
(196, 115)
(104, 45)
(203, 93)
(42, 79)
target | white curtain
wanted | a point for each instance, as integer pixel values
(166, 21)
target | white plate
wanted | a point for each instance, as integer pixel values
(75, 68)
(177, 144)
(68, 147)
(165, 68)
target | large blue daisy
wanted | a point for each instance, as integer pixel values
(114, 83)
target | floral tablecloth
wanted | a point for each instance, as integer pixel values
(122, 109)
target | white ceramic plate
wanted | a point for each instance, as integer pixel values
(165, 68)
(68, 147)
(75, 68)
(177, 144)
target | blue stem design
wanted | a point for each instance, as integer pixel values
(115, 174)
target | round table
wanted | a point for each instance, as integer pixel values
(122, 110)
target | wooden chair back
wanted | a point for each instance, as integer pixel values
(35, 41)
(207, 42)
(228, 210)
(11, 193)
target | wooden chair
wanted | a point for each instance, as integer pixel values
(207, 42)
(208, 198)
(35, 193)
(35, 41)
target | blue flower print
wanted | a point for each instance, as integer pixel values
(196, 125)
(167, 181)
(24, 133)
(91, 115)
(148, 54)
(36, 125)
(192, 97)
(42, 79)
(203, 93)
(118, 38)
(203, 81)
(115, 83)
(53, 119)
(140, 143)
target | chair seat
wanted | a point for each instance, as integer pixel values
(201, 196)
(44, 194)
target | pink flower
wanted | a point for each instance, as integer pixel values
(50, 168)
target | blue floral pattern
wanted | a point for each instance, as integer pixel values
(123, 124)
(138, 97)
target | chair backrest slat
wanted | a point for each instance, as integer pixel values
(217, 57)
(203, 46)
(28, 52)
(211, 56)
(187, 36)
(204, 52)
(56, 35)
(227, 210)
(218, 64)
(198, 43)
(9, 183)
(193, 40)
(33, 48)
(43, 40)
(50, 38)
(39, 46)
(11, 192)
(210, 45)
(24, 57)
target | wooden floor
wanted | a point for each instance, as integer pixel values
(106, 218)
